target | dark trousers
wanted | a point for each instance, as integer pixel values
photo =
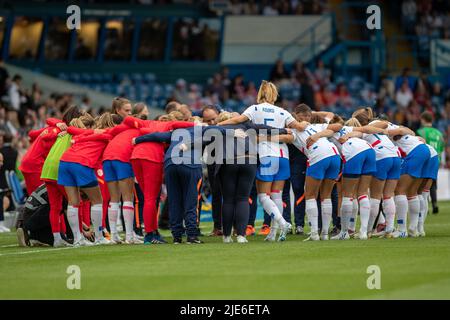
(216, 196)
(297, 180)
(37, 224)
(140, 201)
(433, 194)
(182, 190)
(236, 182)
(335, 204)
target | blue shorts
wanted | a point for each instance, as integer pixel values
(431, 168)
(414, 163)
(273, 169)
(327, 168)
(388, 169)
(364, 163)
(115, 170)
(73, 174)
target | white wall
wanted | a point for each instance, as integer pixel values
(258, 39)
(440, 58)
(443, 185)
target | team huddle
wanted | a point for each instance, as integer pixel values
(381, 171)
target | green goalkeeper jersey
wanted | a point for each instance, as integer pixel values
(433, 137)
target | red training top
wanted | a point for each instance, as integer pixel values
(87, 148)
(154, 151)
(42, 141)
(120, 147)
(33, 160)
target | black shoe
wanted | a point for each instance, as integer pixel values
(64, 237)
(335, 231)
(177, 240)
(193, 240)
(435, 210)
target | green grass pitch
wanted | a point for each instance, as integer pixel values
(410, 269)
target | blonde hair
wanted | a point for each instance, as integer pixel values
(353, 122)
(223, 116)
(83, 122)
(104, 121)
(77, 123)
(195, 119)
(176, 115)
(164, 117)
(267, 92)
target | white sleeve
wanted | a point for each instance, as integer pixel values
(297, 141)
(337, 135)
(393, 126)
(249, 113)
(323, 126)
(289, 118)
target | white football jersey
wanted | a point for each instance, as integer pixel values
(273, 116)
(406, 143)
(318, 151)
(383, 146)
(352, 146)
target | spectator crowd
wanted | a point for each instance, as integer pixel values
(425, 20)
(399, 99)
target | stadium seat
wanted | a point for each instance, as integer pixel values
(85, 77)
(74, 77)
(13, 182)
(149, 77)
(97, 78)
(136, 78)
(63, 76)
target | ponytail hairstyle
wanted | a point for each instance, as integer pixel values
(353, 122)
(104, 121)
(364, 115)
(267, 93)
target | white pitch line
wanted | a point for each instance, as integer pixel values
(9, 246)
(35, 251)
